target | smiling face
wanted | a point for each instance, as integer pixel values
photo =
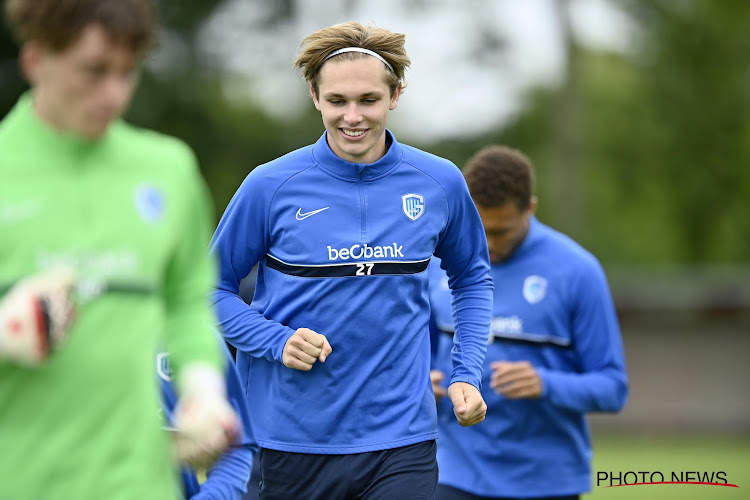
(83, 88)
(354, 100)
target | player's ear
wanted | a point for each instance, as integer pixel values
(315, 99)
(30, 60)
(395, 96)
(532, 204)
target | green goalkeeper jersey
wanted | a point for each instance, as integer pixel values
(131, 214)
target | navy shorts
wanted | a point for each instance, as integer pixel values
(408, 473)
(449, 493)
(253, 484)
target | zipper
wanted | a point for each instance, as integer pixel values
(362, 202)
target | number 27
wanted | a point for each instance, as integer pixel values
(365, 269)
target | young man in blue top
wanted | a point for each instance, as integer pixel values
(334, 348)
(555, 350)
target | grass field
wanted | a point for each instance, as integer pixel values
(672, 454)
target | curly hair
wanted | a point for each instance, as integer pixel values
(497, 175)
(389, 45)
(58, 23)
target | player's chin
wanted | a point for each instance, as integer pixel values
(94, 131)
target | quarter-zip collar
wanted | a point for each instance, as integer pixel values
(339, 167)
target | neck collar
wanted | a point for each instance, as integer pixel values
(339, 167)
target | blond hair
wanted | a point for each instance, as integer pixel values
(316, 47)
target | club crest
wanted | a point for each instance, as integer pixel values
(149, 201)
(413, 205)
(162, 366)
(534, 289)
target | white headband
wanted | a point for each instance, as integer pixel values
(359, 49)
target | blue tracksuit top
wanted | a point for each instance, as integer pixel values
(553, 308)
(343, 249)
(227, 478)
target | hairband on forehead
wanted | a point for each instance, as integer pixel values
(359, 49)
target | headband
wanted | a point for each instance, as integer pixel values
(359, 49)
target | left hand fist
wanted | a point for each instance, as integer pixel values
(468, 404)
(515, 380)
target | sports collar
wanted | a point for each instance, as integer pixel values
(339, 167)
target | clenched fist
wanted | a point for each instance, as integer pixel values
(304, 348)
(468, 404)
(515, 379)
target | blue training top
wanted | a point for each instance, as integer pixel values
(343, 249)
(228, 477)
(552, 307)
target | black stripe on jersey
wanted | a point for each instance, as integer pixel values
(517, 340)
(354, 269)
(531, 341)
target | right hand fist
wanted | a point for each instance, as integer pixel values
(36, 315)
(304, 348)
(515, 379)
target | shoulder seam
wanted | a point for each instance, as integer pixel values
(275, 192)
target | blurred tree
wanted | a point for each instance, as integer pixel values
(563, 179)
(695, 59)
(653, 143)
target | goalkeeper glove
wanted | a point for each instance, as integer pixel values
(35, 316)
(206, 425)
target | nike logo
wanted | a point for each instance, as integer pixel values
(301, 216)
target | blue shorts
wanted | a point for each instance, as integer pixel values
(408, 473)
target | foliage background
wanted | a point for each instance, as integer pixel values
(641, 154)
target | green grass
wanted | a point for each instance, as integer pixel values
(667, 454)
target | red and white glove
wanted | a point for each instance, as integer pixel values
(206, 425)
(36, 315)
